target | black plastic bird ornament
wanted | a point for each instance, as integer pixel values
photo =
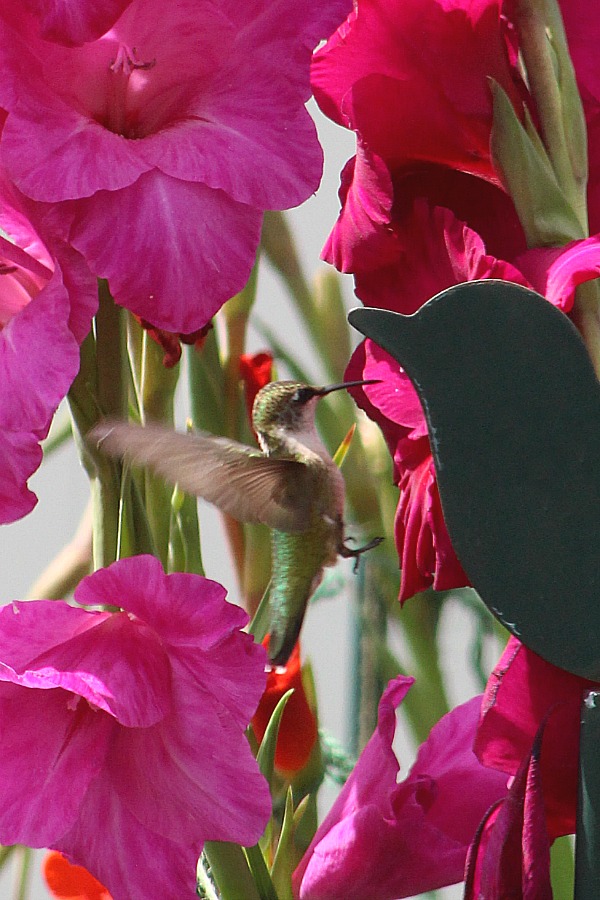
(513, 411)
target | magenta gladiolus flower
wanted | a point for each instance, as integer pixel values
(510, 856)
(384, 840)
(47, 300)
(522, 693)
(122, 734)
(75, 23)
(161, 143)
(411, 78)
(429, 250)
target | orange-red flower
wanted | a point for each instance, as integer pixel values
(68, 882)
(298, 728)
(256, 370)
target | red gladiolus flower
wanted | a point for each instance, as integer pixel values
(411, 78)
(429, 250)
(256, 370)
(298, 728)
(69, 882)
(510, 856)
(522, 692)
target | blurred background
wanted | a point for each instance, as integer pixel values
(62, 488)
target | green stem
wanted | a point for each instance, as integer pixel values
(112, 403)
(562, 868)
(6, 853)
(426, 702)
(370, 635)
(230, 871)
(24, 873)
(531, 20)
(156, 393)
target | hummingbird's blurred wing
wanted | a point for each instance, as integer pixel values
(239, 480)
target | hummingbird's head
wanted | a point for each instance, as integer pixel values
(287, 409)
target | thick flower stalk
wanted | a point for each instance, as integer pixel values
(110, 722)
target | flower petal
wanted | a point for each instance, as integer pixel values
(521, 691)
(48, 741)
(176, 269)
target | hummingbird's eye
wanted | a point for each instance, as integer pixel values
(302, 396)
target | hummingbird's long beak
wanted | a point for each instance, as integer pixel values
(345, 384)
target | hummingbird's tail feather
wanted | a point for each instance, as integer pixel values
(282, 639)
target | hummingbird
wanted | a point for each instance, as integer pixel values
(291, 484)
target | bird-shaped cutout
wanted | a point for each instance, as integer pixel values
(513, 410)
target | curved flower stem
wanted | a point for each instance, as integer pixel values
(21, 891)
(60, 578)
(368, 678)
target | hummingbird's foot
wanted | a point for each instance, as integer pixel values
(346, 552)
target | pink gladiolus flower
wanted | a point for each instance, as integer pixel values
(122, 734)
(161, 143)
(510, 856)
(75, 23)
(385, 840)
(47, 300)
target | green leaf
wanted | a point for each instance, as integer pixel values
(230, 871)
(185, 553)
(259, 626)
(285, 858)
(306, 821)
(266, 753)
(544, 212)
(260, 872)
